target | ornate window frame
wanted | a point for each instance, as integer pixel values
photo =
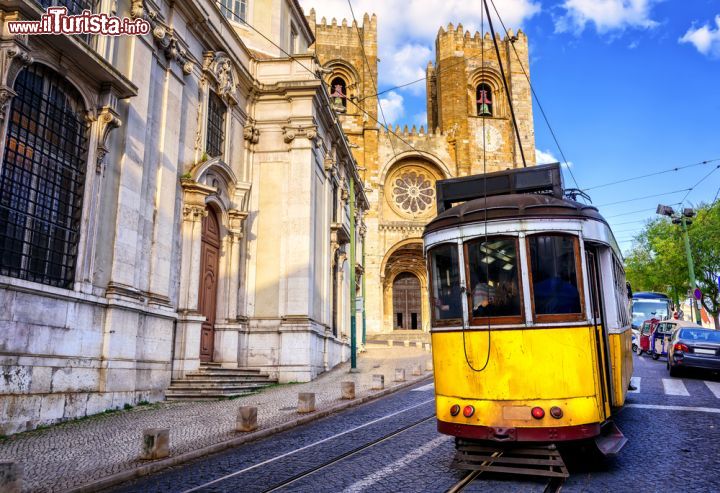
(491, 78)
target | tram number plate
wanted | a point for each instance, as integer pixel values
(704, 351)
(517, 412)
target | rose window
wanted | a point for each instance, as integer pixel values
(413, 192)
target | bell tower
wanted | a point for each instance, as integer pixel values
(467, 100)
(348, 53)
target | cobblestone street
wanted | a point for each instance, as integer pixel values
(69, 455)
(400, 449)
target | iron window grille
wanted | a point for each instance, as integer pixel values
(215, 126)
(42, 179)
(235, 10)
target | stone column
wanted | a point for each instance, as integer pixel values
(187, 336)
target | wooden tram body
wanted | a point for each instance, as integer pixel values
(531, 332)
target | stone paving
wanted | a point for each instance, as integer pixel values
(71, 454)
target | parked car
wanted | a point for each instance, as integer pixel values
(692, 346)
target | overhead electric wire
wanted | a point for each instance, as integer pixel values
(634, 212)
(699, 182)
(645, 197)
(320, 79)
(669, 170)
(375, 88)
(537, 100)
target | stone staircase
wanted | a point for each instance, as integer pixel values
(399, 337)
(212, 381)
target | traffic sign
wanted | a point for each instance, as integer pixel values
(697, 293)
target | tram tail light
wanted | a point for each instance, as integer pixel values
(556, 412)
(468, 411)
(455, 410)
(538, 413)
(681, 347)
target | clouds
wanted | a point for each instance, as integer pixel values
(547, 157)
(705, 39)
(605, 15)
(407, 29)
(392, 107)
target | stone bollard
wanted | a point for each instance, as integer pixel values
(378, 382)
(418, 344)
(406, 343)
(417, 370)
(399, 374)
(306, 402)
(10, 477)
(246, 419)
(348, 390)
(427, 347)
(156, 443)
(428, 365)
(391, 343)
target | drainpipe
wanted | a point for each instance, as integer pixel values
(363, 292)
(353, 336)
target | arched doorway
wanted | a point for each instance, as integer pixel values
(407, 302)
(207, 297)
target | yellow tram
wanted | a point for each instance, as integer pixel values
(530, 325)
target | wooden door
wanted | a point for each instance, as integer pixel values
(406, 302)
(207, 298)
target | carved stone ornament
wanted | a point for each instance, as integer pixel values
(108, 120)
(6, 95)
(290, 132)
(219, 66)
(251, 133)
(164, 36)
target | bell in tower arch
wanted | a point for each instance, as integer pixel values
(484, 101)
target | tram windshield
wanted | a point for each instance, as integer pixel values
(446, 293)
(554, 274)
(493, 275)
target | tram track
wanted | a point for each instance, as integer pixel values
(347, 454)
(554, 485)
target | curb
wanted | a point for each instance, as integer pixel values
(159, 465)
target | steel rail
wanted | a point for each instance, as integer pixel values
(292, 452)
(348, 454)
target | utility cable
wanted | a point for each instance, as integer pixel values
(699, 182)
(645, 197)
(639, 177)
(537, 100)
(372, 78)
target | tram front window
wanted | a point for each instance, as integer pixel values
(493, 274)
(553, 261)
(446, 294)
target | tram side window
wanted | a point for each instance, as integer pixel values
(446, 293)
(554, 271)
(493, 274)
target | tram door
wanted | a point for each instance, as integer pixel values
(599, 322)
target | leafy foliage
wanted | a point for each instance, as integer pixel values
(658, 262)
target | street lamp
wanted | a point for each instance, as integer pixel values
(684, 218)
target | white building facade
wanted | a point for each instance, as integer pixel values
(167, 200)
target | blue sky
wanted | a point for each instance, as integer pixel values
(630, 87)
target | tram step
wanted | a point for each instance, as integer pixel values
(544, 461)
(611, 440)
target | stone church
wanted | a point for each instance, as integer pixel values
(399, 167)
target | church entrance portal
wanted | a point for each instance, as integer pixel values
(407, 302)
(207, 298)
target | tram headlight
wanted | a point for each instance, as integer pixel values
(556, 412)
(538, 413)
(455, 410)
(468, 411)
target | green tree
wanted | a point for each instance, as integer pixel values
(705, 245)
(658, 262)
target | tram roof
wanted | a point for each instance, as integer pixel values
(512, 206)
